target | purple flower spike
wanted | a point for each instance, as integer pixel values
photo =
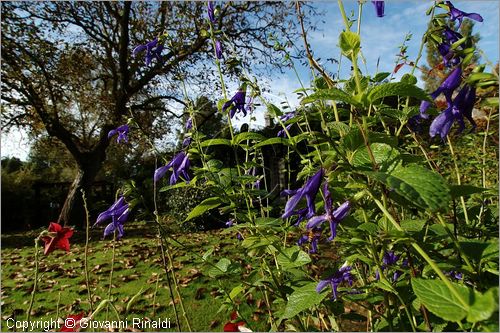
(342, 275)
(180, 167)
(309, 191)
(237, 103)
(457, 14)
(218, 49)
(211, 11)
(379, 8)
(332, 216)
(122, 132)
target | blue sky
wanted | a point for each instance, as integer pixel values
(380, 38)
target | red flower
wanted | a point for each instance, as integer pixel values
(233, 327)
(72, 323)
(60, 239)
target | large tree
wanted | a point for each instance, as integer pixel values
(68, 70)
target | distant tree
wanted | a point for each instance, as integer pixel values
(67, 68)
(433, 73)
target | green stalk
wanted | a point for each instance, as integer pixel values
(459, 182)
(85, 254)
(111, 272)
(35, 284)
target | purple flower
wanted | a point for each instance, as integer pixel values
(379, 8)
(122, 132)
(153, 50)
(312, 238)
(446, 88)
(211, 11)
(285, 118)
(229, 223)
(342, 275)
(189, 124)
(237, 103)
(186, 142)
(180, 167)
(239, 236)
(454, 274)
(451, 36)
(389, 259)
(118, 212)
(448, 55)
(218, 49)
(282, 132)
(457, 14)
(332, 216)
(309, 191)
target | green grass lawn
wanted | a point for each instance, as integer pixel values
(138, 266)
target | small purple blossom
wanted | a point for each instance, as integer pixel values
(332, 216)
(230, 223)
(457, 14)
(237, 103)
(186, 142)
(342, 275)
(239, 236)
(118, 213)
(189, 124)
(211, 11)
(313, 239)
(390, 259)
(284, 118)
(379, 8)
(180, 167)
(122, 132)
(454, 274)
(309, 191)
(218, 49)
(153, 50)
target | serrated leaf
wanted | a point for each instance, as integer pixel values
(418, 185)
(397, 89)
(383, 154)
(272, 141)
(214, 142)
(220, 268)
(349, 43)
(204, 206)
(248, 136)
(332, 94)
(293, 257)
(301, 299)
(438, 299)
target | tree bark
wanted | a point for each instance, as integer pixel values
(89, 165)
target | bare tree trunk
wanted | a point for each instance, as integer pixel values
(89, 165)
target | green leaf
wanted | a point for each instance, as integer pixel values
(483, 305)
(303, 298)
(272, 141)
(475, 249)
(133, 300)
(273, 110)
(248, 136)
(458, 191)
(349, 43)
(220, 268)
(204, 206)
(413, 225)
(397, 89)
(293, 257)
(420, 186)
(236, 290)
(332, 94)
(380, 76)
(436, 297)
(214, 142)
(383, 154)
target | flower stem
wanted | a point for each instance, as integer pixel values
(35, 284)
(459, 182)
(85, 254)
(111, 271)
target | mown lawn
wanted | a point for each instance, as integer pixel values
(138, 266)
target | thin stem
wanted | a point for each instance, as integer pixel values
(111, 271)
(422, 43)
(459, 182)
(35, 284)
(85, 254)
(154, 295)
